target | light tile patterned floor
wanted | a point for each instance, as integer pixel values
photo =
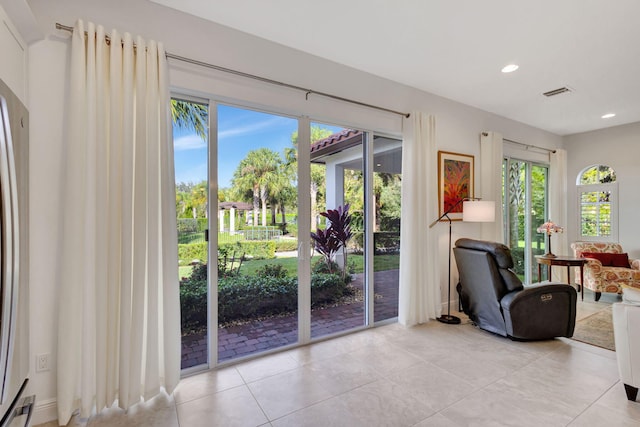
(430, 375)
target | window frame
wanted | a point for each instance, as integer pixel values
(612, 188)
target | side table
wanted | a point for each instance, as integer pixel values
(562, 260)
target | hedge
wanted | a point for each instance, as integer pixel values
(285, 245)
(245, 297)
(257, 249)
(188, 252)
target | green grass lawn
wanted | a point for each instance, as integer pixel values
(380, 263)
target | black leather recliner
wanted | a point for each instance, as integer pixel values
(495, 299)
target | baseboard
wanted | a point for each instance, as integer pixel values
(45, 411)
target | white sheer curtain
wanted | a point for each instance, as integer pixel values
(491, 182)
(558, 207)
(419, 298)
(119, 322)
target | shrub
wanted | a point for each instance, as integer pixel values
(189, 252)
(257, 249)
(246, 297)
(272, 270)
(187, 225)
(329, 241)
(193, 297)
(326, 288)
(285, 245)
(229, 260)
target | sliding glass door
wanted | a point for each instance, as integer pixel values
(256, 243)
(338, 287)
(191, 148)
(525, 208)
(257, 238)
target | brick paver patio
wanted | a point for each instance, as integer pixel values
(274, 332)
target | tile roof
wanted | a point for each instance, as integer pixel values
(335, 143)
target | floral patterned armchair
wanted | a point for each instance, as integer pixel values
(601, 277)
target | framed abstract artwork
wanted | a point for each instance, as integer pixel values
(455, 182)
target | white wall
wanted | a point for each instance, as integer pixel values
(618, 147)
(13, 66)
(458, 126)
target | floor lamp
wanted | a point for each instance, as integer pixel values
(473, 210)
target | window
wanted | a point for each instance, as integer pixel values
(597, 203)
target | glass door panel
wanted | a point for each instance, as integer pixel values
(526, 208)
(387, 177)
(516, 208)
(538, 241)
(257, 271)
(190, 142)
(338, 283)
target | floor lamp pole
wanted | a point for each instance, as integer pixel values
(448, 318)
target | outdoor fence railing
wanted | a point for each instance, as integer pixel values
(252, 233)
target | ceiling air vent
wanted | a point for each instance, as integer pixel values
(557, 91)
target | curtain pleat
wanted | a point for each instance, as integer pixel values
(558, 206)
(491, 183)
(119, 325)
(419, 290)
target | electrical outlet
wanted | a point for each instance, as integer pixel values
(42, 362)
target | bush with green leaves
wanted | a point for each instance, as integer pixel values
(187, 253)
(272, 270)
(193, 297)
(256, 249)
(286, 245)
(244, 297)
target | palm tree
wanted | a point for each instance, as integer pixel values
(281, 193)
(317, 171)
(256, 172)
(190, 115)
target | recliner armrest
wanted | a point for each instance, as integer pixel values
(635, 264)
(534, 291)
(540, 311)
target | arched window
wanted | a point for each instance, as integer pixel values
(598, 203)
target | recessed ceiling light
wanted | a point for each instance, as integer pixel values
(608, 115)
(510, 68)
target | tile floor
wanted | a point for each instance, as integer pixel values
(430, 375)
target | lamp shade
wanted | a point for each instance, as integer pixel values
(550, 227)
(478, 211)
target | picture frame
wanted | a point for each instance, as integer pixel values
(455, 182)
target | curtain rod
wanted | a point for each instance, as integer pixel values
(262, 79)
(527, 146)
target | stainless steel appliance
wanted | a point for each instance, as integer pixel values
(15, 406)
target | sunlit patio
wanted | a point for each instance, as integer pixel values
(262, 335)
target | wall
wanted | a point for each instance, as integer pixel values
(618, 147)
(458, 126)
(13, 67)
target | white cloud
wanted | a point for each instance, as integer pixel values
(189, 142)
(251, 128)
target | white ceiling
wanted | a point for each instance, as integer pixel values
(456, 49)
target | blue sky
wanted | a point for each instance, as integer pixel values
(239, 131)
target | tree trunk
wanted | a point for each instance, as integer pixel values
(256, 205)
(314, 206)
(263, 198)
(284, 216)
